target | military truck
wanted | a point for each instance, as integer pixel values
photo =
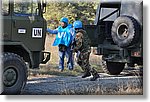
(117, 34)
(24, 32)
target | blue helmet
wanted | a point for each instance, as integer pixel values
(64, 19)
(77, 24)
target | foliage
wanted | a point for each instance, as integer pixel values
(84, 11)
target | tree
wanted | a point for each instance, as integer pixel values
(84, 11)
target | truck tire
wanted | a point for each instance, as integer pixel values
(113, 68)
(125, 31)
(14, 74)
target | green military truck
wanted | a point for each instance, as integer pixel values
(24, 32)
(117, 34)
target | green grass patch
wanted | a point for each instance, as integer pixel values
(53, 70)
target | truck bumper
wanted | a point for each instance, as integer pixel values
(108, 49)
(113, 53)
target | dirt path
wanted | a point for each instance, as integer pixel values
(60, 85)
(68, 85)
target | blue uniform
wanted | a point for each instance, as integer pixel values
(64, 36)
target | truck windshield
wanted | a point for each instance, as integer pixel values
(109, 14)
(25, 7)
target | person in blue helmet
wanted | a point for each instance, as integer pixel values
(64, 34)
(83, 49)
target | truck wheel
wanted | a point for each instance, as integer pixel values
(14, 73)
(113, 68)
(125, 31)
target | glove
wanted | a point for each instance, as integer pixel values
(62, 48)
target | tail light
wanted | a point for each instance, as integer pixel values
(136, 53)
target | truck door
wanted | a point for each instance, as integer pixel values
(107, 17)
(6, 19)
(21, 21)
(28, 24)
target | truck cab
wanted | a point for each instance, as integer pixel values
(117, 34)
(23, 32)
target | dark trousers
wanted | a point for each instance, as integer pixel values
(69, 56)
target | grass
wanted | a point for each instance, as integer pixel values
(53, 70)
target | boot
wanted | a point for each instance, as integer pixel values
(86, 74)
(60, 70)
(95, 76)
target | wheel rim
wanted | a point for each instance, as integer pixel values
(9, 77)
(123, 31)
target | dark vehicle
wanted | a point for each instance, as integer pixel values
(117, 34)
(24, 32)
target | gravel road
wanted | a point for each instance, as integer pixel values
(67, 85)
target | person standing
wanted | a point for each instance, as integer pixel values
(64, 34)
(83, 49)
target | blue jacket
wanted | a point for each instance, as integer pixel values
(64, 36)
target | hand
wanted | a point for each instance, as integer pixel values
(75, 50)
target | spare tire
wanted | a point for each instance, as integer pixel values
(125, 31)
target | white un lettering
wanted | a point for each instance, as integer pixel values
(60, 34)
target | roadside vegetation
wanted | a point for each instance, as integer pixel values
(75, 10)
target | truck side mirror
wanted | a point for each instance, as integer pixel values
(44, 7)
